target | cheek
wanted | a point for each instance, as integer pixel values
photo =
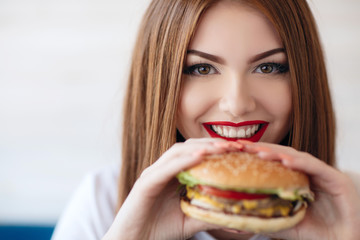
(277, 101)
(280, 103)
(195, 100)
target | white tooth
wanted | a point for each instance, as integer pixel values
(257, 127)
(232, 133)
(220, 130)
(225, 132)
(241, 133)
(248, 132)
(214, 127)
(253, 130)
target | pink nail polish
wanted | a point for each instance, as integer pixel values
(244, 142)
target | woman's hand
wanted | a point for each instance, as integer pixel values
(152, 209)
(335, 213)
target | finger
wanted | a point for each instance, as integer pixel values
(321, 174)
(180, 157)
(171, 167)
(289, 157)
(205, 148)
(230, 146)
(191, 147)
(204, 140)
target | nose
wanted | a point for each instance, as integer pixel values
(237, 98)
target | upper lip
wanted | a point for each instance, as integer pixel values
(232, 124)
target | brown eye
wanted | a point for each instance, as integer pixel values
(272, 68)
(266, 68)
(201, 69)
(204, 70)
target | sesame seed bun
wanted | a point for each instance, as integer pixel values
(242, 191)
(245, 170)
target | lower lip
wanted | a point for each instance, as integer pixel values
(254, 138)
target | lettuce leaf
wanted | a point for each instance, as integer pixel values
(187, 179)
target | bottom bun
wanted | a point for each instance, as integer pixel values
(244, 223)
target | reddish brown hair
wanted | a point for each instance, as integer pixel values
(155, 81)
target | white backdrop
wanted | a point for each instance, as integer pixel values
(63, 66)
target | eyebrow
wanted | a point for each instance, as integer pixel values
(208, 56)
(220, 60)
(260, 56)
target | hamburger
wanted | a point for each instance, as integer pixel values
(241, 191)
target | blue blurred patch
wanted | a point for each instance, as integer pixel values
(26, 232)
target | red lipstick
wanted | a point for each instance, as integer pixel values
(254, 138)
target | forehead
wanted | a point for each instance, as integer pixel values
(231, 27)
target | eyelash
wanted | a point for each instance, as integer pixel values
(191, 69)
(278, 68)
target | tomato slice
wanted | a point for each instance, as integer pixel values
(231, 194)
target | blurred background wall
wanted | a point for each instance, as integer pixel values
(63, 68)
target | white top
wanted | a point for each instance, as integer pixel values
(91, 210)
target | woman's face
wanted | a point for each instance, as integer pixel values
(235, 83)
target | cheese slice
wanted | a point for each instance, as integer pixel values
(207, 202)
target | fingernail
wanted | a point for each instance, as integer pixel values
(235, 145)
(223, 144)
(228, 145)
(238, 145)
(244, 142)
(220, 144)
(285, 159)
(261, 149)
(261, 154)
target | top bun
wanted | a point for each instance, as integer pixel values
(245, 170)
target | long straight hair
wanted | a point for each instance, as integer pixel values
(153, 92)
